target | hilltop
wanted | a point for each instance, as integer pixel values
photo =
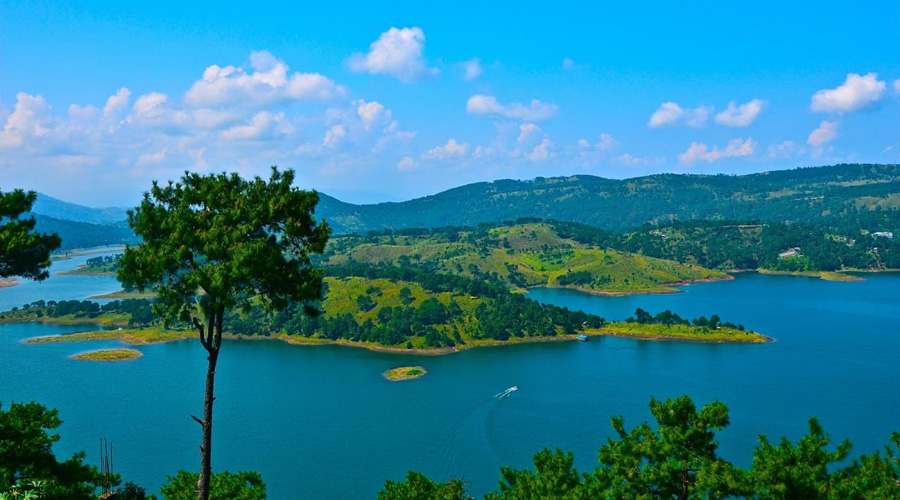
(520, 256)
(840, 196)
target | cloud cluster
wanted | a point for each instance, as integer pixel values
(699, 151)
(451, 149)
(398, 53)
(857, 92)
(471, 69)
(740, 116)
(488, 105)
(270, 81)
(825, 133)
(670, 114)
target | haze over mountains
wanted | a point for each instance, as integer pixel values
(847, 197)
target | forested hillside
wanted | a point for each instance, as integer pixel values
(519, 255)
(730, 245)
(843, 197)
(85, 234)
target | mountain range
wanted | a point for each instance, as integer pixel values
(846, 197)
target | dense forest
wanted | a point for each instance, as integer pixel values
(840, 197)
(390, 306)
(748, 245)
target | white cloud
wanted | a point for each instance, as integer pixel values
(488, 105)
(897, 85)
(526, 131)
(116, 102)
(209, 119)
(471, 69)
(151, 158)
(263, 124)
(334, 136)
(541, 152)
(568, 63)
(639, 161)
(269, 82)
(398, 53)
(27, 121)
(856, 93)
(606, 142)
(740, 116)
(671, 114)
(450, 150)
(825, 133)
(83, 113)
(371, 112)
(152, 110)
(701, 152)
(406, 164)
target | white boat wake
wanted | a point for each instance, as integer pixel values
(506, 393)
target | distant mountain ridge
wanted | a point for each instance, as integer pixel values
(58, 209)
(846, 197)
(849, 195)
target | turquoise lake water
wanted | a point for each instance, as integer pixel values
(321, 423)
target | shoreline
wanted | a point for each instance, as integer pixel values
(81, 252)
(151, 336)
(665, 288)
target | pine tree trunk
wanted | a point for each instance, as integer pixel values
(206, 447)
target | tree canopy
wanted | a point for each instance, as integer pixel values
(214, 243)
(23, 252)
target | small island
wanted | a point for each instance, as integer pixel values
(109, 355)
(404, 373)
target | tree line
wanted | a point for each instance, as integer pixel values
(677, 458)
(669, 318)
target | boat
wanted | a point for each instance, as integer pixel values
(582, 337)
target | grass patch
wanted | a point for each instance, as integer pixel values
(23, 316)
(144, 336)
(678, 332)
(109, 355)
(524, 255)
(404, 373)
(825, 275)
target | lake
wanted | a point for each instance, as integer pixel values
(320, 422)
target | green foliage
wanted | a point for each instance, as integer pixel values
(677, 459)
(553, 477)
(27, 462)
(839, 196)
(418, 487)
(752, 245)
(231, 239)
(440, 309)
(215, 243)
(223, 486)
(669, 318)
(77, 234)
(23, 252)
(138, 311)
(517, 255)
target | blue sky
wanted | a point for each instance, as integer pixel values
(374, 103)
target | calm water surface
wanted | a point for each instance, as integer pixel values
(321, 423)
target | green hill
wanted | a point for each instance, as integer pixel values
(520, 256)
(76, 234)
(840, 196)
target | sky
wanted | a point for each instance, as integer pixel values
(371, 102)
